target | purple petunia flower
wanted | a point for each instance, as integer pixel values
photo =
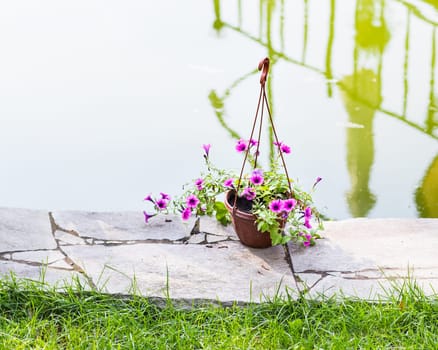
(285, 148)
(147, 216)
(241, 145)
(276, 205)
(307, 223)
(257, 177)
(149, 198)
(308, 212)
(289, 204)
(253, 142)
(249, 193)
(229, 182)
(206, 148)
(185, 215)
(198, 184)
(308, 240)
(192, 201)
(307, 217)
(165, 196)
(161, 203)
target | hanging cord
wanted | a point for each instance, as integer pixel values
(247, 149)
(262, 102)
(278, 145)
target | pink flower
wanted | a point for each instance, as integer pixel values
(186, 213)
(198, 184)
(241, 145)
(147, 216)
(161, 203)
(192, 201)
(249, 193)
(206, 148)
(307, 223)
(257, 177)
(229, 182)
(308, 240)
(165, 196)
(307, 217)
(149, 198)
(289, 204)
(253, 142)
(285, 148)
(276, 205)
(308, 212)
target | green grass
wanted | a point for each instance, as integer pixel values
(35, 316)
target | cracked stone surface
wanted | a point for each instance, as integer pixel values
(211, 226)
(215, 238)
(25, 229)
(67, 238)
(358, 254)
(226, 272)
(121, 225)
(200, 259)
(39, 256)
(197, 238)
(57, 277)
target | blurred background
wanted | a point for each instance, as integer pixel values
(103, 102)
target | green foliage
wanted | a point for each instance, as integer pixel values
(222, 214)
(204, 196)
(34, 316)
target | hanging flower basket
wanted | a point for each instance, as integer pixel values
(244, 223)
(266, 207)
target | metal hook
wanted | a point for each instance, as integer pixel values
(264, 63)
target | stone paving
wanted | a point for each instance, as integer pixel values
(201, 260)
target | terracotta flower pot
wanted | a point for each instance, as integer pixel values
(245, 225)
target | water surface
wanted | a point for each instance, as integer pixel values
(104, 102)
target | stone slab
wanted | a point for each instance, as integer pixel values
(122, 225)
(25, 229)
(215, 238)
(52, 276)
(39, 256)
(228, 272)
(210, 225)
(197, 238)
(67, 238)
(372, 289)
(358, 254)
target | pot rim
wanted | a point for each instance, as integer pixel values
(236, 211)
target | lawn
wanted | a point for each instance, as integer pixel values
(36, 316)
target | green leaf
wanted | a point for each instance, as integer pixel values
(222, 214)
(276, 238)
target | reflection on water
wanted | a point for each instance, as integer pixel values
(426, 195)
(361, 88)
(119, 105)
(360, 142)
(371, 37)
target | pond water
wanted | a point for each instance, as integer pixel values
(102, 102)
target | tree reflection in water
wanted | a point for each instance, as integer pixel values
(361, 90)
